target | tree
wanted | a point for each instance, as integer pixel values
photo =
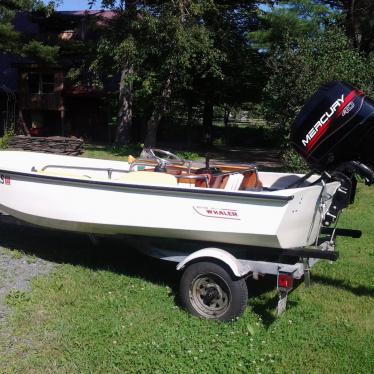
(299, 66)
(236, 72)
(167, 63)
(12, 42)
(132, 42)
(116, 53)
(354, 16)
(283, 20)
(183, 50)
(357, 21)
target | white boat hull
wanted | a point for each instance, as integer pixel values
(286, 218)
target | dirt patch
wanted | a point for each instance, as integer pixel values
(16, 272)
(17, 268)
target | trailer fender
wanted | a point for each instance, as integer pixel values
(238, 268)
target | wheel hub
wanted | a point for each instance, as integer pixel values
(212, 293)
(209, 295)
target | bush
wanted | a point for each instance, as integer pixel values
(4, 140)
(294, 162)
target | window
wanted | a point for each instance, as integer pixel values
(33, 79)
(40, 83)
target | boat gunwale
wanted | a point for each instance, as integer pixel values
(259, 196)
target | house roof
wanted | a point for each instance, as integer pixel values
(102, 17)
(27, 23)
(98, 13)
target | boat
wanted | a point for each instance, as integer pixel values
(160, 195)
(235, 204)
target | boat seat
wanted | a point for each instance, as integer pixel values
(234, 182)
(251, 182)
(219, 181)
(193, 180)
(148, 178)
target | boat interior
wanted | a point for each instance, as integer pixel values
(226, 177)
(172, 171)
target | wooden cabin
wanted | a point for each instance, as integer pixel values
(48, 103)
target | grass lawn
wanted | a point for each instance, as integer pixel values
(106, 309)
(109, 152)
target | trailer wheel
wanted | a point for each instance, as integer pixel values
(208, 290)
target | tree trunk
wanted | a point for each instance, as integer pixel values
(208, 121)
(350, 22)
(123, 133)
(152, 127)
(226, 116)
(159, 110)
(189, 123)
(358, 24)
(22, 124)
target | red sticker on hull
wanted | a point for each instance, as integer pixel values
(4, 179)
(217, 213)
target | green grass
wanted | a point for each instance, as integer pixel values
(110, 152)
(15, 254)
(105, 310)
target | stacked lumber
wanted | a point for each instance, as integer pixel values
(53, 144)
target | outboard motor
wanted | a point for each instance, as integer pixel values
(334, 133)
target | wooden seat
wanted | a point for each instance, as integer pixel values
(250, 181)
(219, 181)
(193, 180)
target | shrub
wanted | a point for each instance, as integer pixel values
(4, 140)
(294, 162)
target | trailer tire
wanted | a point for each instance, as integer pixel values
(207, 290)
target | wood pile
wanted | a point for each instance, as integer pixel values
(53, 144)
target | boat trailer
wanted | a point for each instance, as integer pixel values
(216, 268)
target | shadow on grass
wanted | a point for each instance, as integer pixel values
(341, 284)
(263, 302)
(76, 249)
(116, 256)
(260, 301)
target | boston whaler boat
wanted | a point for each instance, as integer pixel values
(226, 222)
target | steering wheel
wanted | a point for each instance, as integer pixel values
(164, 157)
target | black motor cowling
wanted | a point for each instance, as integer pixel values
(334, 133)
(335, 130)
